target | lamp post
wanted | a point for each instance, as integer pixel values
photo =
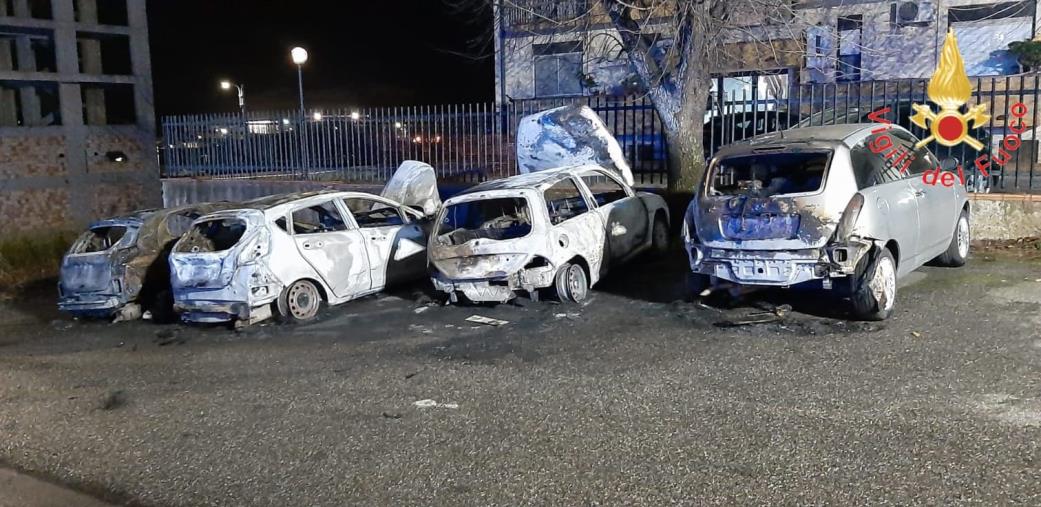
(299, 55)
(226, 85)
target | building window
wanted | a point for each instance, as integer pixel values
(109, 104)
(558, 69)
(849, 60)
(101, 12)
(27, 104)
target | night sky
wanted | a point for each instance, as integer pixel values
(362, 53)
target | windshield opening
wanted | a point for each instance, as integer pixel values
(768, 174)
(503, 218)
(213, 236)
(99, 239)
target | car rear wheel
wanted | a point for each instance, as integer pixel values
(958, 251)
(875, 295)
(299, 302)
(660, 236)
(572, 283)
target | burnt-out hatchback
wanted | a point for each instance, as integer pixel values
(842, 208)
(118, 266)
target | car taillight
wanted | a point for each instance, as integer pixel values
(849, 217)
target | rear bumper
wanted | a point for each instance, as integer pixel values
(778, 268)
(497, 289)
(222, 305)
(91, 304)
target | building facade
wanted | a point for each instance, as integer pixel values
(541, 52)
(77, 126)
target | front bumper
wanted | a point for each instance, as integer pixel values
(495, 289)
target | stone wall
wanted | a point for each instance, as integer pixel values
(1001, 216)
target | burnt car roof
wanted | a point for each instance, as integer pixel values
(821, 136)
(271, 201)
(529, 180)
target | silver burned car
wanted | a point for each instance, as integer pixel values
(842, 208)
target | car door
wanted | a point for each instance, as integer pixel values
(624, 214)
(575, 227)
(396, 243)
(936, 203)
(334, 249)
(890, 193)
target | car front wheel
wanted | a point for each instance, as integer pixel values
(875, 295)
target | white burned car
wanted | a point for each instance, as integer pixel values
(286, 254)
(553, 227)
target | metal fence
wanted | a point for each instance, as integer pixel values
(468, 142)
(475, 142)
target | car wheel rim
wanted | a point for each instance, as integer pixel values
(576, 279)
(303, 301)
(883, 284)
(963, 237)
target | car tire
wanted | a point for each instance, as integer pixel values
(874, 297)
(958, 251)
(571, 283)
(660, 236)
(299, 302)
(696, 284)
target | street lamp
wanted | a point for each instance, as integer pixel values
(299, 55)
(226, 85)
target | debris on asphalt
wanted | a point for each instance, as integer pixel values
(421, 309)
(428, 403)
(389, 415)
(486, 321)
(165, 337)
(748, 321)
(410, 375)
(113, 400)
(916, 334)
(129, 311)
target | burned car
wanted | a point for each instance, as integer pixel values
(559, 225)
(285, 255)
(119, 265)
(843, 208)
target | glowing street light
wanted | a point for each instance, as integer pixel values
(299, 56)
(227, 85)
(355, 115)
(317, 116)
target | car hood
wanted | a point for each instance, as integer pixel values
(565, 137)
(414, 184)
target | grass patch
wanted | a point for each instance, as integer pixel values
(29, 258)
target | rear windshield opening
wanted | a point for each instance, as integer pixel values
(504, 218)
(768, 174)
(99, 239)
(213, 236)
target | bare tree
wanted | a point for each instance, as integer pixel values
(675, 76)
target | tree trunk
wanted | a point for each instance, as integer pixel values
(686, 142)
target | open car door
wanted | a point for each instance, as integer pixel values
(568, 136)
(414, 184)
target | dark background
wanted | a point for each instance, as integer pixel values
(362, 53)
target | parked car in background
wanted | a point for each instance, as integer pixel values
(816, 207)
(119, 265)
(722, 130)
(559, 225)
(285, 255)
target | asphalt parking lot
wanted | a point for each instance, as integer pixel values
(634, 398)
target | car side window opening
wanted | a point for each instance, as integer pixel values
(373, 213)
(324, 217)
(564, 201)
(605, 190)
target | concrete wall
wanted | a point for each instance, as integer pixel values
(999, 216)
(59, 175)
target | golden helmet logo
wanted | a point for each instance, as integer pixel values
(950, 89)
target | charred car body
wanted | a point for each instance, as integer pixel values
(289, 253)
(560, 224)
(119, 265)
(828, 208)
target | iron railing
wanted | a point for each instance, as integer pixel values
(475, 142)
